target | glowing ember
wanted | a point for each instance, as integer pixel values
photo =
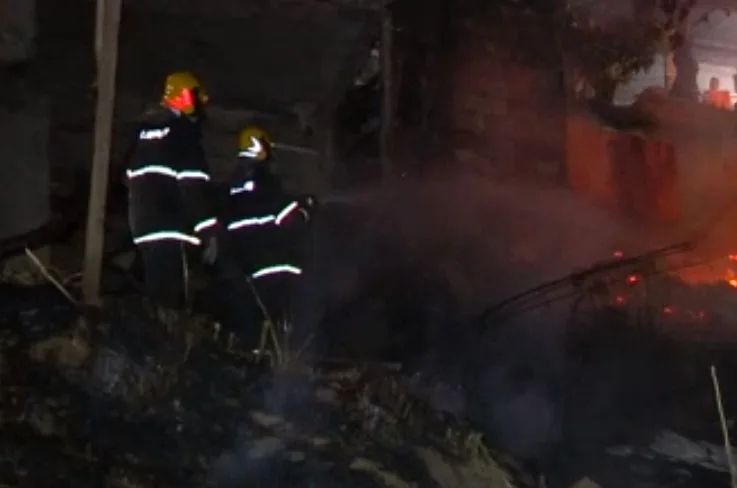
(731, 278)
(619, 299)
(633, 278)
(668, 310)
(619, 254)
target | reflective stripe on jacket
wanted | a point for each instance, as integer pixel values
(167, 178)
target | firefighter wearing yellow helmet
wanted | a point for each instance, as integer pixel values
(254, 144)
(167, 178)
(263, 222)
(184, 93)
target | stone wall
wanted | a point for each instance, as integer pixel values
(25, 193)
(17, 30)
(507, 119)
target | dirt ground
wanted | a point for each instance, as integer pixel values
(129, 403)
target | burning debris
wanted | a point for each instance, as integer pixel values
(673, 287)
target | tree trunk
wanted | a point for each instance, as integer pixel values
(687, 69)
(669, 67)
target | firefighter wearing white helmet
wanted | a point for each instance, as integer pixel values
(167, 178)
(264, 222)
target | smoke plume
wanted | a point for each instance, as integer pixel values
(418, 259)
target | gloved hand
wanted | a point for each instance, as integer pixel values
(210, 250)
(307, 202)
(307, 205)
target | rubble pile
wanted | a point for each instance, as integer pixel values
(122, 401)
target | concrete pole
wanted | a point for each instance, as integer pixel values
(106, 72)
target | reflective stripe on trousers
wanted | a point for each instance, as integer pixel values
(166, 235)
(278, 269)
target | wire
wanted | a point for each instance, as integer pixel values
(537, 297)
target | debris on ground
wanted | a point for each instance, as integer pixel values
(126, 402)
(678, 449)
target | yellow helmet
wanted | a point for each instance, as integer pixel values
(180, 90)
(254, 143)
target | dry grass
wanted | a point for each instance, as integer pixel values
(275, 337)
(723, 424)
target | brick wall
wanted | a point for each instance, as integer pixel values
(705, 142)
(588, 163)
(633, 175)
(507, 118)
(686, 169)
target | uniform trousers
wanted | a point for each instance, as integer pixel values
(163, 272)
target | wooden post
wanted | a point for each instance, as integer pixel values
(106, 71)
(387, 90)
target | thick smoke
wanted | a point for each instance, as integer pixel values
(446, 249)
(425, 257)
(486, 240)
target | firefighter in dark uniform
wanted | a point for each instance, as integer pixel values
(167, 178)
(266, 225)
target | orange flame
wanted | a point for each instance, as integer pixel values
(731, 278)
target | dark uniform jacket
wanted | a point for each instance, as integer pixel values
(167, 180)
(265, 224)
